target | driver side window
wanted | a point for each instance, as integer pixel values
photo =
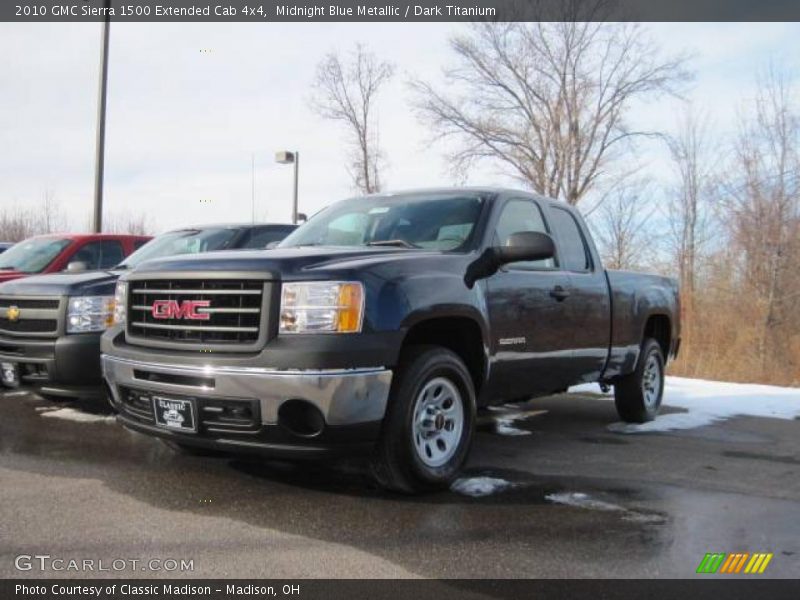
(521, 215)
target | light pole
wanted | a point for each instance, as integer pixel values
(100, 148)
(285, 158)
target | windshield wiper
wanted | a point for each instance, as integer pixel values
(398, 242)
(8, 268)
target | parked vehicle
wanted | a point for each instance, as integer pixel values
(381, 325)
(52, 253)
(50, 326)
(5, 246)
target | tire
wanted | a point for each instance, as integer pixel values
(638, 395)
(414, 453)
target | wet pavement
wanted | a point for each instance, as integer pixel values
(563, 496)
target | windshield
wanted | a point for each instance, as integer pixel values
(185, 241)
(33, 255)
(435, 222)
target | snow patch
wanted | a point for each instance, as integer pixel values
(709, 401)
(71, 414)
(581, 500)
(509, 414)
(478, 487)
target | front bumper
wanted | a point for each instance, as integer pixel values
(351, 402)
(65, 366)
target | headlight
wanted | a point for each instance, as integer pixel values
(322, 307)
(89, 313)
(120, 297)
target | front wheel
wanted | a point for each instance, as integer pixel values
(429, 423)
(638, 395)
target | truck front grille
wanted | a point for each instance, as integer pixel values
(26, 315)
(229, 311)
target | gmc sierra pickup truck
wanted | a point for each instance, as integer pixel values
(380, 326)
(50, 325)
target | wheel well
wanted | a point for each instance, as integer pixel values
(658, 328)
(461, 335)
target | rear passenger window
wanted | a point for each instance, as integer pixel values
(99, 254)
(111, 253)
(572, 248)
(517, 216)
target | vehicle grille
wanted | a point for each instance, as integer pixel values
(34, 315)
(29, 325)
(215, 415)
(235, 310)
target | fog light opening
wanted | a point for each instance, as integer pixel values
(301, 418)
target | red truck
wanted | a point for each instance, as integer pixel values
(56, 252)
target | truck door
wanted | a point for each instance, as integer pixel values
(587, 322)
(528, 313)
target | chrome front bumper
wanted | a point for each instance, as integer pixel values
(344, 397)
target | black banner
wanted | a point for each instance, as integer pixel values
(262, 11)
(321, 589)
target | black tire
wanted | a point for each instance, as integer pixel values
(634, 404)
(397, 465)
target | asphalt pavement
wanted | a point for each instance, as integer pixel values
(570, 498)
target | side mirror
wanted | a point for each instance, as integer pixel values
(271, 245)
(77, 265)
(525, 245)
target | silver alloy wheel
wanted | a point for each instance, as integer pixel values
(651, 381)
(438, 422)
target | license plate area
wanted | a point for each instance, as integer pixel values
(10, 374)
(176, 414)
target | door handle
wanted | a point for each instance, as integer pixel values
(559, 293)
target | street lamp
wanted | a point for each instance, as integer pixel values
(286, 158)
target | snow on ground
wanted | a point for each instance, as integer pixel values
(477, 487)
(710, 401)
(71, 414)
(581, 500)
(504, 417)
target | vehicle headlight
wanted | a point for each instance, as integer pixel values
(120, 297)
(322, 307)
(89, 313)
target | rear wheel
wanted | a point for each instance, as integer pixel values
(429, 422)
(638, 395)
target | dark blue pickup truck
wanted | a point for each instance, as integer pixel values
(380, 326)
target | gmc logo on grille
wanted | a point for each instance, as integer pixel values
(172, 309)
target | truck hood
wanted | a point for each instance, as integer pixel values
(88, 283)
(10, 275)
(286, 263)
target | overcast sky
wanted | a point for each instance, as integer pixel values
(190, 103)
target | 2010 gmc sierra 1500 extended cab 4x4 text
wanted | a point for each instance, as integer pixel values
(384, 323)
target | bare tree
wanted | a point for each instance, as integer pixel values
(763, 213)
(548, 100)
(347, 93)
(50, 215)
(687, 206)
(130, 223)
(621, 227)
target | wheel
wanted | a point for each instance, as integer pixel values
(638, 395)
(429, 422)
